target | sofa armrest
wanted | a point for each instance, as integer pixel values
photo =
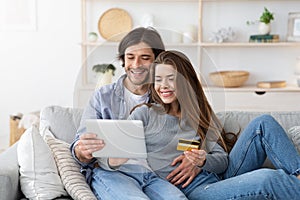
(9, 174)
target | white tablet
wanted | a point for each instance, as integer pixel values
(123, 138)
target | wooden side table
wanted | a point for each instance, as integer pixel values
(15, 131)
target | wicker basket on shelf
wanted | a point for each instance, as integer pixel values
(15, 131)
(229, 78)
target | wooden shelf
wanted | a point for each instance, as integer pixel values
(247, 88)
(207, 44)
(170, 1)
(248, 44)
(253, 88)
(106, 43)
(224, 54)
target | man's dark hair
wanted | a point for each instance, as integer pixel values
(148, 35)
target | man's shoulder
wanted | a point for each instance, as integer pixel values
(108, 87)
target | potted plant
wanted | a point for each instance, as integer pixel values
(265, 19)
(266, 16)
(104, 73)
(264, 22)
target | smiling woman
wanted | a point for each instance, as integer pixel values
(164, 84)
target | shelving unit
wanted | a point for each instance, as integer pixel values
(244, 44)
(93, 9)
(263, 60)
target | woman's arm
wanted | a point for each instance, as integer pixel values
(216, 160)
(191, 163)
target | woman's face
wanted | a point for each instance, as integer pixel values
(164, 83)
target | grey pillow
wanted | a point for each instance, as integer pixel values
(62, 122)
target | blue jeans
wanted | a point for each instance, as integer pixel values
(132, 182)
(244, 177)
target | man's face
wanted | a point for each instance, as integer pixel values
(138, 59)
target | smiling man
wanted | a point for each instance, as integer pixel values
(136, 51)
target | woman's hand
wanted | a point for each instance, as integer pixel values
(186, 171)
(88, 143)
(196, 157)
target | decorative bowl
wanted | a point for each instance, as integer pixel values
(93, 37)
(229, 78)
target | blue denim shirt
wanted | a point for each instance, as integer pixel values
(105, 103)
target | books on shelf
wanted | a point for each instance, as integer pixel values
(264, 38)
(271, 84)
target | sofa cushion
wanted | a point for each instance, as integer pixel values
(234, 121)
(62, 122)
(294, 135)
(9, 174)
(69, 170)
(39, 177)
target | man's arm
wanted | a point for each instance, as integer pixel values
(87, 144)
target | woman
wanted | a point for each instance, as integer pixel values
(182, 107)
(181, 111)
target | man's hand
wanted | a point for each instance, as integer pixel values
(186, 171)
(87, 144)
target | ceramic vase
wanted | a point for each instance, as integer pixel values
(93, 37)
(104, 78)
(264, 28)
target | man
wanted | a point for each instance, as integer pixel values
(137, 51)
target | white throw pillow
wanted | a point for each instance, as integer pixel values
(294, 135)
(38, 172)
(69, 170)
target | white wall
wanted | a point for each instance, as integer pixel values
(40, 68)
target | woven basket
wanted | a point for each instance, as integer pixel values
(229, 78)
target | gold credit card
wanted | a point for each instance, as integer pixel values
(187, 145)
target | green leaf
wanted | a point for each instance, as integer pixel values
(266, 16)
(103, 68)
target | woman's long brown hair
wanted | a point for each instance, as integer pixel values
(193, 103)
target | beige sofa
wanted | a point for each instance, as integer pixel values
(63, 123)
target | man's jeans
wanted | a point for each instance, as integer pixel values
(133, 182)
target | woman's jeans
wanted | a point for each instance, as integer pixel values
(244, 179)
(132, 182)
